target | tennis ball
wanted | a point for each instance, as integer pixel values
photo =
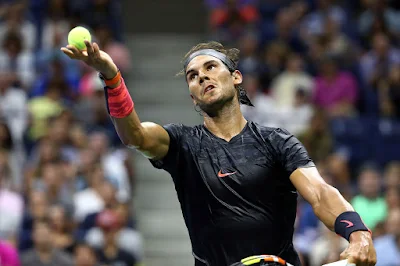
(77, 36)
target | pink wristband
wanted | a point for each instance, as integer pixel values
(119, 101)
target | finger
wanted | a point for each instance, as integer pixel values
(68, 52)
(89, 48)
(96, 50)
(74, 50)
(372, 257)
(343, 255)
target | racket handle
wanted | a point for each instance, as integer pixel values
(340, 263)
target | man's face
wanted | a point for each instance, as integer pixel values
(85, 256)
(369, 183)
(211, 84)
(42, 235)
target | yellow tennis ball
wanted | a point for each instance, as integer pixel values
(77, 36)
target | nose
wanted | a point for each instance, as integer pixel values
(202, 77)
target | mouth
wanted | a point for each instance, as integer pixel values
(208, 88)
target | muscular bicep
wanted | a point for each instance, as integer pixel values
(308, 183)
(326, 200)
(156, 141)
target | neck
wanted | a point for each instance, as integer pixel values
(227, 123)
(110, 250)
(44, 253)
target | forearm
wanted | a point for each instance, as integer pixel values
(330, 205)
(130, 130)
(149, 138)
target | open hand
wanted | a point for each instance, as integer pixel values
(93, 57)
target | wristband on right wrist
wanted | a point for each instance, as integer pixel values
(349, 222)
(111, 82)
(118, 100)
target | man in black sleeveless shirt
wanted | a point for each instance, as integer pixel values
(236, 181)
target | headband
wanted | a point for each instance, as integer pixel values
(227, 62)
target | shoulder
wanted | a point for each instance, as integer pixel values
(64, 257)
(182, 131)
(28, 255)
(270, 134)
(265, 131)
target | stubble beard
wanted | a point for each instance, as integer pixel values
(213, 108)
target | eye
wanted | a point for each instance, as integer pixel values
(210, 67)
(192, 77)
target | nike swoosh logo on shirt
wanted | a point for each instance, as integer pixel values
(349, 224)
(225, 174)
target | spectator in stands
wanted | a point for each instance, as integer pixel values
(112, 162)
(273, 62)
(339, 170)
(388, 246)
(8, 254)
(317, 138)
(369, 203)
(117, 50)
(44, 107)
(85, 255)
(313, 23)
(392, 197)
(110, 253)
(335, 91)
(13, 107)
(293, 78)
(37, 209)
(108, 193)
(15, 19)
(44, 252)
(103, 12)
(54, 65)
(58, 133)
(55, 26)
(284, 29)
(127, 238)
(337, 44)
(44, 151)
(248, 44)
(391, 93)
(327, 248)
(392, 174)
(263, 111)
(13, 154)
(379, 10)
(15, 62)
(11, 203)
(230, 18)
(51, 181)
(93, 199)
(61, 224)
(376, 63)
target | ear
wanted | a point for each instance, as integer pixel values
(237, 77)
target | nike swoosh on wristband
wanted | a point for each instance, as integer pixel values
(225, 174)
(349, 224)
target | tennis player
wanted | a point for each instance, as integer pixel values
(237, 181)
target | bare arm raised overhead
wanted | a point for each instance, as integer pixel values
(149, 138)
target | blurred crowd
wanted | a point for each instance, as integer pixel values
(329, 72)
(66, 182)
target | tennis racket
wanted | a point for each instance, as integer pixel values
(262, 260)
(340, 263)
